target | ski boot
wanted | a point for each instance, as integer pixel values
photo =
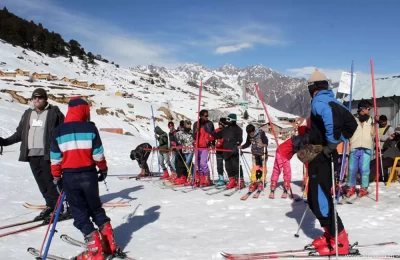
(94, 249)
(321, 241)
(240, 184)
(272, 187)
(221, 180)
(286, 188)
(362, 192)
(232, 183)
(350, 192)
(205, 181)
(107, 239)
(260, 186)
(180, 181)
(45, 213)
(284, 194)
(252, 187)
(165, 175)
(330, 247)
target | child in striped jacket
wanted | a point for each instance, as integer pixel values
(76, 150)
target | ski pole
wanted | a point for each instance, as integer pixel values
(240, 167)
(334, 206)
(53, 228)
(301, 221)
(1, 150)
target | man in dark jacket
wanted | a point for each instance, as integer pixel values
(390, 150)
(331, 123)
(233, 138)
(172, 143)
(35, 132)
(141, 155)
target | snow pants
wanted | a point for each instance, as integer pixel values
(359, 161)
(180, 164)
(202, 163)
(280, 164)
(220, 163)
(142, 161)
(162, 158)
(319, 193)
(232, 167)
(82, 191)
(42, 172)
(258, 165)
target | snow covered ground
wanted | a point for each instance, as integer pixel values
(167, 224)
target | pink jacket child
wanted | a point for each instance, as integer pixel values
(284, 153)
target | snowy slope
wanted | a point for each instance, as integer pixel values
(166, 224)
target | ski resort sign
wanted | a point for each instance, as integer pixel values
(344, 84)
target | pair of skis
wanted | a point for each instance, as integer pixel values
(118, 255)
(105, 205)
(310, 254)
(248, 194)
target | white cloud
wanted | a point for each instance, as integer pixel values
(334, 74)
(232, 38)
(96, 35)
(233, 48)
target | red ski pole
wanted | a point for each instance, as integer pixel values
(376, 128)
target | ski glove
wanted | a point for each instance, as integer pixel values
(57, 181)
(102, 174)
(329, 149)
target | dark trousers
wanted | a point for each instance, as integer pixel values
(232, 167)
(319, 193)
(82, 191)
(180, 164)
(220, 163)
(143, 161)
(42, 172)
(386, 163)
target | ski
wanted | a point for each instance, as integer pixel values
(246, 196)
(18, 224)
(293, 253)
(218, 191)
(23, 229)
(75, 242)
(36, 253)
(257, 194)
(231, 192)
(105, 205)
(358, 198)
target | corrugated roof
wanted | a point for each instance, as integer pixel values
(384, 87)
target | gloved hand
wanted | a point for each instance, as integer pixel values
(102, 175)
(2, 141)
(57, 181)
(327, 150)
(235, 151)
(133, 155)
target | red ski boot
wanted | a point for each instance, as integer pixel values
(321, 241)
(252, 187)
(94, 249)
(240, 185)
(180, 181)
(172, 177)
(330, 249)
(205, 182)
(165, 175)
(231, 183)
(107, 239)
(350, 192)
(362, 192)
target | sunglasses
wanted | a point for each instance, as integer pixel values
(37, 97)
(205, 115)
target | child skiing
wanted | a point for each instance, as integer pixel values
(185, 167)
(163, 156)
(141, 155)
(284, 154)
(219, 144)
(331, 123)
(259, 142)
(76, 150)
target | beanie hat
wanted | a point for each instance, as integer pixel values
(39, 92)
(78, 110)
(233, 117)
(317, 76)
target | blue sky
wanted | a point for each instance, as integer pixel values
(289, 36)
